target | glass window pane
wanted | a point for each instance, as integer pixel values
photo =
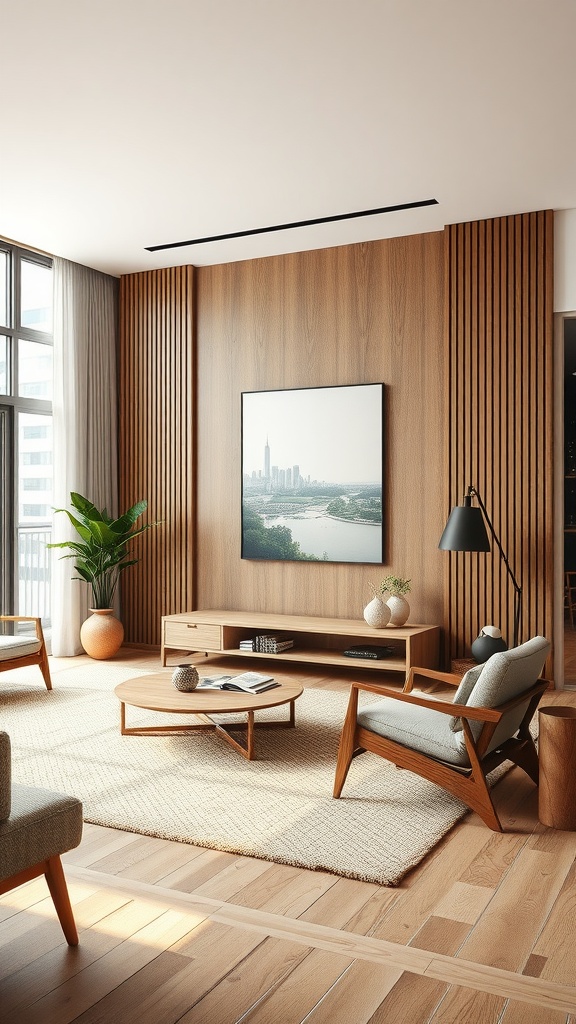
(34, 447)
(4, 289)
(35, 501)
(34, 370)
(3, 366)
(36, 302)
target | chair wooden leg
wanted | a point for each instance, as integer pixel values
(526, 757)
(59, 891)
(479, 799)
(45, 668)
(346, 747)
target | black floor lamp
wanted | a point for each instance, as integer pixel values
(466, 531)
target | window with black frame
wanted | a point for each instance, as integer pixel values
(26, 357)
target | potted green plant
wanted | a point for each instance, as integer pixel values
(397, 587)
(100, 556)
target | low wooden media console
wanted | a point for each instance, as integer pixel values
(316, 640)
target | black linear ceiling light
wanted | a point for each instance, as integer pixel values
(294, 224)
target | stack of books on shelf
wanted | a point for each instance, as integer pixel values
(267, 643)
(272, 643)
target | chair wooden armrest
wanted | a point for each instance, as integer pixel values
(26, 618)
(445, 707)
(429, 673)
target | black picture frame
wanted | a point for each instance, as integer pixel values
(313, 474)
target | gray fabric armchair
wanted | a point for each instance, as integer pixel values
(454, 743)
(36, 827)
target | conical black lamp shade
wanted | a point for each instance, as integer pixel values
(465, 530)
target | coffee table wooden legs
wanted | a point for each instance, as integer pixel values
(247, 749)
(223, 729)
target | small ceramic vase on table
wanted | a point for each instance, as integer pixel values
(377, 613)
(399, 610)
(185, 677)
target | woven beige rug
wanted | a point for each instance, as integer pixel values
(195, 788)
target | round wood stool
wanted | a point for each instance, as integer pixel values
(557, 757)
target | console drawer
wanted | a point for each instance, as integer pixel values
(192, 636)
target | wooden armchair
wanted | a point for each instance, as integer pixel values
(19, 651)
(454, 743)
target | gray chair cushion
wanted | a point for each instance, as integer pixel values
(505, 675)
(418, 728)
(18, 647)
(41, 825)
(463, 692)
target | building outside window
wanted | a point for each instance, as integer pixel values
(26, 353)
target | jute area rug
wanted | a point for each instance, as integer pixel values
(196, 789)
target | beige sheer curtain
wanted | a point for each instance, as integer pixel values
(85, 424)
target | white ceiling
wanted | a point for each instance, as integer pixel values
(130, 123)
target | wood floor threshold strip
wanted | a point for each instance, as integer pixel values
(453, 971)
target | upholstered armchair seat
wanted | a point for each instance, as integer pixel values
(41, 824)
(18, 647)
(419, 728)
(36, 827)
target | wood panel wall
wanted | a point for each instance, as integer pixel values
(499, 315)
(157, 444)
(348, 315)
(457, 324)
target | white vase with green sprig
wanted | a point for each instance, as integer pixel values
(397, 587)
(376, 612)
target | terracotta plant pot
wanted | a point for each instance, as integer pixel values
(102, 634)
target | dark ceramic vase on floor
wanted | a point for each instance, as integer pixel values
(485, 646)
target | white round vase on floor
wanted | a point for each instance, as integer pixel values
(399, 610)
(377, 613)
(102, 634)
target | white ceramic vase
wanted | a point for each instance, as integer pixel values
(399, 610)
(102, 634)
(377, 613)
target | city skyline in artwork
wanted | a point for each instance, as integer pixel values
(312, 470)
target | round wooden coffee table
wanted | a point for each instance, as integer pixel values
(156, 692)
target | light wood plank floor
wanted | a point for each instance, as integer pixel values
(483, 931)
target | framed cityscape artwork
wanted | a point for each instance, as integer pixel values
(312, 474)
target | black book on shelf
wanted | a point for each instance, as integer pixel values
(371, 651)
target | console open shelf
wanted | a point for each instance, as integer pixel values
(317, 641)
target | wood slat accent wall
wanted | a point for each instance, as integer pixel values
(499, 315)
(157, 443)
(346, 315)
(459, 327)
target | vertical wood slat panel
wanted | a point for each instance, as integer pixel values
(499, 323)
(157, 443)
(346, 315)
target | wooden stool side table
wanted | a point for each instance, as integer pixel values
(557, 757)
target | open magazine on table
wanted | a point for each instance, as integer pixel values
(247, 682)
